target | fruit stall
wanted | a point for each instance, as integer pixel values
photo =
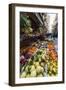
(38, 54)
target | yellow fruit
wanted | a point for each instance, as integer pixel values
(40, 75)
(54, 69)
(39, 69)
(42, 69)
(28, 75)
(32, 68)
(51, 68)
(33, 73)
(43, 56)
(22, 68)
(49, 72)
(42, 64)
(26, 69)
(23, 75)
(36, 64)
(39, 59)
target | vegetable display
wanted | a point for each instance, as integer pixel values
(38, 49)
(39, 63)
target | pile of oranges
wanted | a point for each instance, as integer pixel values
(51, 51)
